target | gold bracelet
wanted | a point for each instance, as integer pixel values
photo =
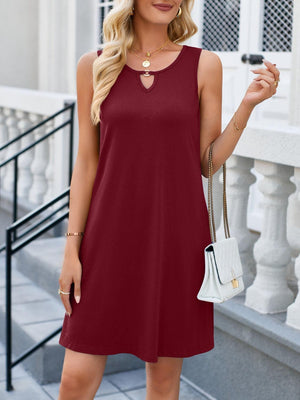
(74, 233)
(235, 125)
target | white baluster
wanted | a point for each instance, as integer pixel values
(293, 311)
(239, 179)
(269, 292)
(39, 164)
(11, 123)
(3, 133)
(293, 232)
(25, 175)
(49, 173)
(3, 139)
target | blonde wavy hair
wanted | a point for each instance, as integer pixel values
(118, 36)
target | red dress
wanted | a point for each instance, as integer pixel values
(142, 251)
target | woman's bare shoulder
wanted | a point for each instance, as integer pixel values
(87, 59)
(209, 67)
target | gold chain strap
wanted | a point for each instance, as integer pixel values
(210, 199)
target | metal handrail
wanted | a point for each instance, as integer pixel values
(14, 158)
(13, 245)
(15, 139)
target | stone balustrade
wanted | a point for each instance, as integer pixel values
(267, 156)
(43, 170)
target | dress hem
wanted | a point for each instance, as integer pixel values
(88, 350)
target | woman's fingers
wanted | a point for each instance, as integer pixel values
(263, 71)
(77, 291)
(65, 298)
(267, 83)
(71, 273)
(271, 71)
(267, 78)
(272, 68)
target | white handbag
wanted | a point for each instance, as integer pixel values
(223, 269)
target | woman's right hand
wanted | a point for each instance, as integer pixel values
(71, 273)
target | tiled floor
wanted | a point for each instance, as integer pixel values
(116, 386)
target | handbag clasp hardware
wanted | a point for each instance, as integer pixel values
(235, 283)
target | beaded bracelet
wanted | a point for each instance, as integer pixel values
(74, 233)
(235, 125)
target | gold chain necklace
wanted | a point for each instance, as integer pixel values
(146, 62)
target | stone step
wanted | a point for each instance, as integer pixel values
(41, 262)
(35, 315)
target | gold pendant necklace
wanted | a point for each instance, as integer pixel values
(146, 62)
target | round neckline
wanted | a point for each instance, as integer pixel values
(160, 70)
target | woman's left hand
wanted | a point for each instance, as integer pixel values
(263, 86)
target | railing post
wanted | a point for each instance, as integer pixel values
(71, 142)
(8, 311)
(15, 201)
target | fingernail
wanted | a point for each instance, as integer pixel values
(68, 314)
(77, 298)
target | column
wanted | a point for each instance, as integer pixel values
(12, 129)
(269, 292)
(25, 160)
(294, 100)
(39, 164)
(293, 311)
(49, 173)
(239, 179)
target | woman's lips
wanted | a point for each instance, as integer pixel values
(162, 7)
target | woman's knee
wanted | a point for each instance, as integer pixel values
(163, 377)
(81, 375)
(74, 380)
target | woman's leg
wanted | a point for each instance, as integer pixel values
(163, 378)
(81, 375)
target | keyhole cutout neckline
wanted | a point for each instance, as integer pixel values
(139, 73)
(160, 70)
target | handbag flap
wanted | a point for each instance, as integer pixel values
(227, 259)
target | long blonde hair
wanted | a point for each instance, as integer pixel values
(118, 36)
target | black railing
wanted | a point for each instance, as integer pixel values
(14, 158)
(14, 243)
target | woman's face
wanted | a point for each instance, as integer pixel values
(157, 11)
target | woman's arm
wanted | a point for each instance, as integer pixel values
(210, 75)
(83, 177)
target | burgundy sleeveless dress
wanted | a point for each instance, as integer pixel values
(142, 252)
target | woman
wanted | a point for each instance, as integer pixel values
(129, 285)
